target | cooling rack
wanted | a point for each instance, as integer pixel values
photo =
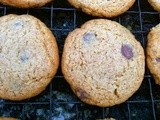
(58, 102)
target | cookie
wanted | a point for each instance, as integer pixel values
(25, 3)
(153, 53)
(7, 118)
(103, 63)
(28, 57)
(155, 4)
(103, 8)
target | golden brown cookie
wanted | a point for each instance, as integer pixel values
(103, 8)
(155, 4)
(103, 63)
(28, 57)
(25, 3)
(153, 53)
(7, 118)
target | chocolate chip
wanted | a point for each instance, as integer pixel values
(87, 37)
(158, 59)
(82, 94)
(127, 51)
(18, 24)
(24, 56)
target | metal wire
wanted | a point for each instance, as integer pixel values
(128, 107)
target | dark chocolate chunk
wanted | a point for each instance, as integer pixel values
(82, 94)
(158, 59)
(18, 24)
(127, 51)
(24, 57)
(89, 36)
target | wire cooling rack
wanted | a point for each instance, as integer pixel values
(58, 102)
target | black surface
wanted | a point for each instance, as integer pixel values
(58, 102)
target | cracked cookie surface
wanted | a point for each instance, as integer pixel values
(103, 63)
(103, 8)
(28, 57)
(153, 53)
(25, 3)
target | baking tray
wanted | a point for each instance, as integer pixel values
(58, 102)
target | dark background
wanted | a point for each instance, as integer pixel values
(58, 102)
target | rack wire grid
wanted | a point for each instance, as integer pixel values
(58, 102)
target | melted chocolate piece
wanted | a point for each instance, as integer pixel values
(158, 59)
(89, 36)
(82, 94)
(127, 51)
(24, 57)
(18, 24)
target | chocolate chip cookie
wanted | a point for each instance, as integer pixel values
(103, 63)
(103, 8)
(25, 3)
(153, 53)
(28, 57)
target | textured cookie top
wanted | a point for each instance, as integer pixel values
(28, 56)
(105, 8)
(155, 4)
(153, 52)
(25, 3)
(103, 62)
